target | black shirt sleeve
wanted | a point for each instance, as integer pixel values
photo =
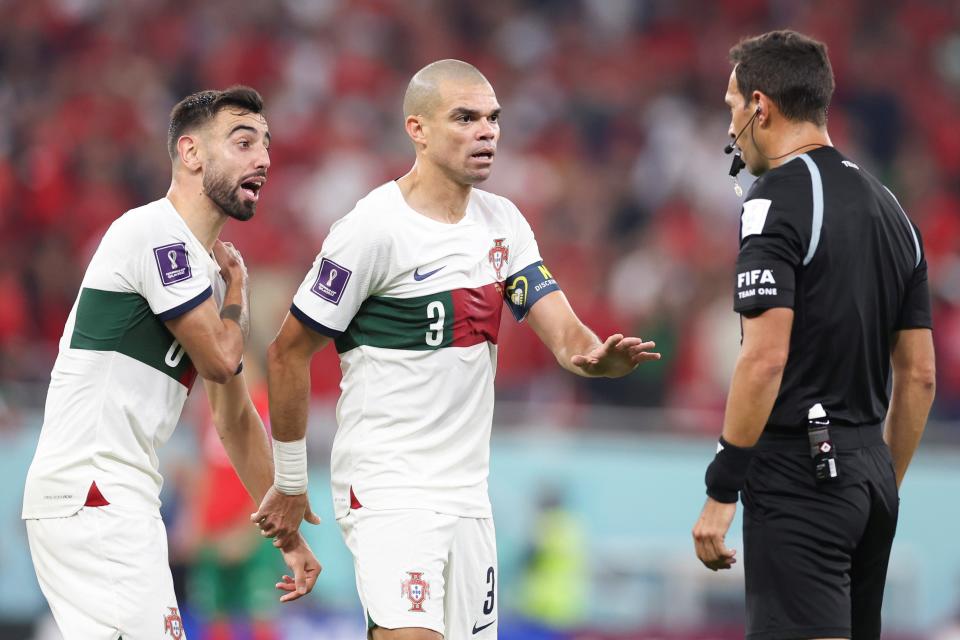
(774, 240)
(915, 313)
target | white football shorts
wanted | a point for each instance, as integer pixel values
(106, 575)
(419, 568)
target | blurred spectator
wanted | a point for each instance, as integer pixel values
(612, 131)
(613, 121)
(555, 579)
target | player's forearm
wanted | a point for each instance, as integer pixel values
(288, 377)
(753, 391)
(909, 407)
(559, 328)
(248, 448)
(235, 319)
(577, 338)
(242, 433)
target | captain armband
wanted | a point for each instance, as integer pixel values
(728, 471)
(523, 289)
(290, 466)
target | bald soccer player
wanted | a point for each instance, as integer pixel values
(409, 286)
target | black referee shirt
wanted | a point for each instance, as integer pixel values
(825, 238)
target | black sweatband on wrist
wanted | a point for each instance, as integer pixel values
(727, 472)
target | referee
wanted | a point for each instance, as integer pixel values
(831, 286)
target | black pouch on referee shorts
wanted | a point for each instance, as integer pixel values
(823, 452)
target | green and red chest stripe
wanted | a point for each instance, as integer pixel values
(122, 322)
(456, 318)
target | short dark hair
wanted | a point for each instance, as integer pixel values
(789, 67)
(198, 108)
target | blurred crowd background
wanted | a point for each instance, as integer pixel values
(612, 132)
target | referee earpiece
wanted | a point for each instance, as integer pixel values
(730, 147)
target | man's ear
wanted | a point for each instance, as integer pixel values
(188, 150)
(416, 129)
(764, 107)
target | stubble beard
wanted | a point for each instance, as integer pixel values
(218, 188)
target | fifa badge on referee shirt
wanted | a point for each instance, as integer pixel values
(498, 256)
(173, 624)
(416, 589)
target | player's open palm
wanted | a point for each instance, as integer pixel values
(280, 515)
(617, 356)
(306, 569)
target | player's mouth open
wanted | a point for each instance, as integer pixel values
(252, 187)
(486, 155)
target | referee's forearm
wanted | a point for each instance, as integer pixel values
(909, 407)
(753, 390)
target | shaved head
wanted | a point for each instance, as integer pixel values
(424, 91)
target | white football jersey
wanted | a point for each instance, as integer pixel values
(120, 379)
(414, 308)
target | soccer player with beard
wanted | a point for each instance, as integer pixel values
(161, 301)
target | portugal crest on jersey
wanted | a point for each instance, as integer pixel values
(416, 589)
(173, 624)
(498, 256)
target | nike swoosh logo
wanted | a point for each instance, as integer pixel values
(477, 629)
(423, 276)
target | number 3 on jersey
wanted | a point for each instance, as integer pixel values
(435, 312)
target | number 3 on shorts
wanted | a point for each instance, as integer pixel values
(488, 603)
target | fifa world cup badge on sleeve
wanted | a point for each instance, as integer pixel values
(172, 263)
(331, 281)
(498, 256)
(416, 589)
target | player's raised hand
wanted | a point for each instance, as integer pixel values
(306, 569)
(280, 515)
(230, 261)
(709, 533)
(617, 356)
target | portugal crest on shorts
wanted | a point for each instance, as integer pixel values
(498, 256)
(416, 589)
(173, 624)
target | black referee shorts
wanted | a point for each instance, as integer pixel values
(815, 557)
